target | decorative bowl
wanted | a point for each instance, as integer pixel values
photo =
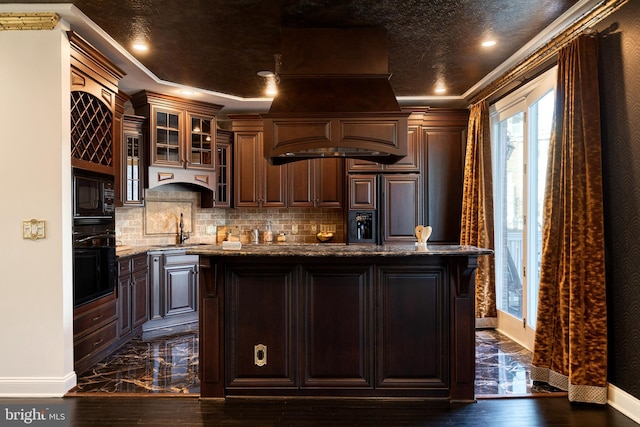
(324, 237)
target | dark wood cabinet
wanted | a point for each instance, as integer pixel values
(363, 191)
(316, 183)
(95, 331)
(224, 163)
(337, 336)
(444, 138)
(338, 326)
(261, 327)
(400, 207)
(94, 86)
(412, 162)
(133, 294)
(131, 167)
(173, 289)
(412, 300)
(257, 183)
(425, 187)
(282, 335)
(181, 137)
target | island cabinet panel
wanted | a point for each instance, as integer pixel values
(412, 318)
(261, 326)
(338, 320)
(337, 326)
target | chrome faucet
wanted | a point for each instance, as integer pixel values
(182, 237)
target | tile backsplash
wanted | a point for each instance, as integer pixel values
(157, 222)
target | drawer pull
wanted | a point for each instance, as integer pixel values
(98, 317)
(97, 343)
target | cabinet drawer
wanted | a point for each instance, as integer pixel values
(94, 318)
(95, 341)
(139, 262)
(124, 266)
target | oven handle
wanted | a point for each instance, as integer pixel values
(108, 234)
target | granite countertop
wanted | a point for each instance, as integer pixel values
(336, 249)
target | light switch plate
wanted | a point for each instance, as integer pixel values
(33, 229)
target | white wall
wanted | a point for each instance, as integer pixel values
(36, 323)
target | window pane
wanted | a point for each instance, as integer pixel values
(511, 142)
(541, 121)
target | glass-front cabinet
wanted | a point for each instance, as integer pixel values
(133, 160)
(224, 151)
(201, 148)
(182, 131)
(167, 139)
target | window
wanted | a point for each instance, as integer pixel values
(520, 131)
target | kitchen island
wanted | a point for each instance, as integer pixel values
(338, 320)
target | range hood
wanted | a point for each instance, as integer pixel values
(334, 99)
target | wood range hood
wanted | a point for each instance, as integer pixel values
(334, 99)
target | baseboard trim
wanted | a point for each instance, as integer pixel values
(624, 402)
(37, 386)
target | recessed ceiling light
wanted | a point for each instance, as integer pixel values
(265, 73)
(441, 89)
(140, 46)
(488, 43)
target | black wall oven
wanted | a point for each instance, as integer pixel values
(94, 243)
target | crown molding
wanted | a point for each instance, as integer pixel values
(28, 21)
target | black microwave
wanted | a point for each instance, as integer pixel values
(93, 195)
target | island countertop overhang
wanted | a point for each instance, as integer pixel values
(338, 250)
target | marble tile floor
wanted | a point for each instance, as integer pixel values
(166, 362)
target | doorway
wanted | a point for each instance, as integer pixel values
(520, 134)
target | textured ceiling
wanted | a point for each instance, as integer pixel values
(220, 45)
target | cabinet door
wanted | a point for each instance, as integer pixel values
(200, 142)
(401, 207)
(166, 137)
(257, 183)
(180, 284)
(301, 179)
(132, 173)
(224, 178)
(329, 182)
(444, 154)
(363, 192)
(337, 326)
(316, 183)
(124, 305)
(412, 162)
(411, 301)
(261, 326)
(274, 183)
(140, 298)
(247, 176)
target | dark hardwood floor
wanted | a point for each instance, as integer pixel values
(123, 410)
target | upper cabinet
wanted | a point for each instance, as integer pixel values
(444, 138)
(224, 162)
(132, 148)
(412, 162)
(257, 183)
(316, 183)
(94, 86)
(182, 137)
(182, 132)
